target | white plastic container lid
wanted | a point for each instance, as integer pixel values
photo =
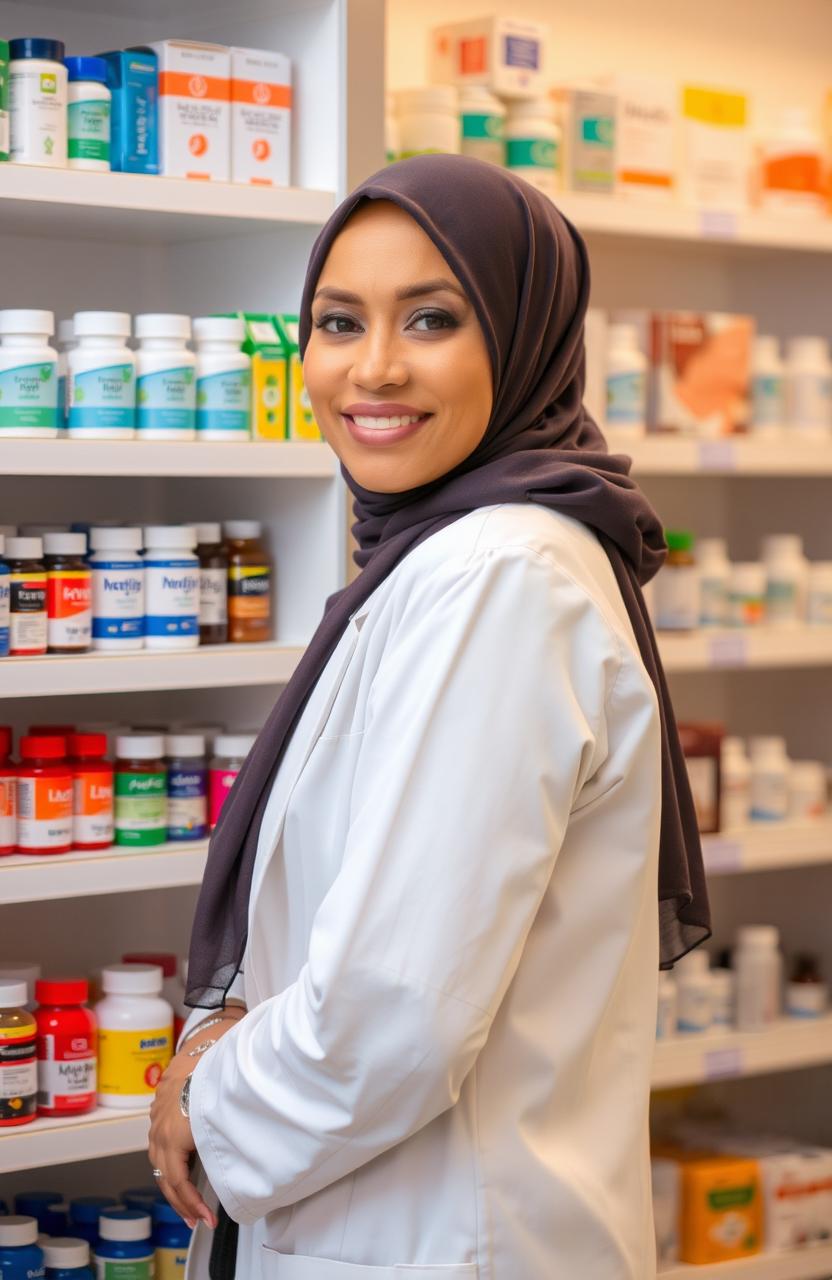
(758, 935)
(34, 322)
(765, 347)
(158, 324)
(531, 109)
(180, 537)
(693, 964)
(66, 331)
(18, 1229)
(13, 995)
(106, 539)
(767, 745)
(802, 348)
(24, 548)
(92, 324)
(140, 746)
(234, 745)
(242, 528)
(479, 97)
(782, 544)
(208, 533)
(65, 1251)
(219, 328)
(185, 744)
(65, 544)
(712, 549)
(134, 1227)
(131, 980)
(431, 97)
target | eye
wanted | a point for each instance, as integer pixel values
(434, 320)
(336, 322)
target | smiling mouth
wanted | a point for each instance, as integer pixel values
(376, 423)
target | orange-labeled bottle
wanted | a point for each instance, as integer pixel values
(92, 791)
(18, 1056)
(249, 583)
(44, 796)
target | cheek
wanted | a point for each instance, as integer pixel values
(324, 373)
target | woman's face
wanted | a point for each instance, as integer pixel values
(396, 366)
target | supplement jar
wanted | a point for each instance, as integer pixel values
(249, 582)
(165, 378)
(809, 388)
(28, 625)
(714, 577)
(117, 589)
(44, 796)
(92, 791)
(758, 966)
(171, 587)
(135, 1035)
(140, 793)
(125, 1247)
(626, 381)
(770, 770)
(8, 793)
(230, 751)
(187, 787)
(67, 1047)
(88, 114)
(37, 102)
(768, 387)
(213, 584)
(747, 594)
(173, 988)
(808, 790)
(28, 375)
(68, 593)
(171, 1237)
(223, 379)
(677, 585)
(101, 377)
(735, 784)
(482, 118)
(18, 1058)
(533, 144)
(787, 571)
(21, 1257)
(37, 1205)
(67, 1259)
(84, 1213)
(694, 1011)
(428, 120)
(807, 995)
(5, 599)
(141, 1198)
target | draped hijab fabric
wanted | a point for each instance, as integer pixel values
(525, 270)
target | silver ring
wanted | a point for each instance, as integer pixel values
(157, 1173)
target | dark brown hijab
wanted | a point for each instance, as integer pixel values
(525, 269)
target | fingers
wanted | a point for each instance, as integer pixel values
(181, 1193)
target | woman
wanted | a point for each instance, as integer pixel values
(434, 886)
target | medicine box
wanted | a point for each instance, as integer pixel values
(132, 76)
(586, 116)
(268, 376)
(505, 54)
(194, 110)
(722, 1215)
(646, 135)
(261, 117)
(715, 148)
(300, 420)
(700, 372)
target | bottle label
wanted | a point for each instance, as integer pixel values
(781, 600)
(769, 796)
(140, 809)
(172, 590)
(213, 597)
(8, 811)
(44, 812)
(103, 398)
(767, 400)
(249, 590)
(187, 804)
(92, 820)
(117, 600)
(480, 124)
(531, 153)
(223, 401)
(220, 782)
(27, 617)
(810, 401)
(130, 1063)
(677, 598)
(170, 1263)
(5, 608)
(69, 608)
(18, 1073)
(39, 101)
(88, 125)
(746, 610)
(713, 602)
(124, 1268)
(66, 1071)
(166, 400)
(29, 396)
(61, 398)
(627, 398)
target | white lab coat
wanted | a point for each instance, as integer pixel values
(453, 943)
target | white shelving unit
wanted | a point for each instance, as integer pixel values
(789, 1044)
(48, 1142)
(665, 455)
(768, 847)
(115, 870)
(299, 460)
(760, 647)
(804, 1264)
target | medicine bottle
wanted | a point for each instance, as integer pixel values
(187, 787)
(68, 593)
(808, 790)
(18, 1057)
(428, 120)
(694, 1011)
(88, 114)
(27, 972)
(807, 995)
(667, 1004)
(249, 582)
(787, 572)
(101, 378)
(171, 587)
(171, 1238)
(626, 381)
(67, 1259)
(747, 594)
(67, 1047)
(5, 598)
(677, 585)
(809, 388)
(230, 751)
(735, 776)
(141, 1198)
(722, 997)
(92, 791)
(213, 584)
(28, 627)
(223, 379)
(28, 375)
(117, 589)
(36, 1204)
(768, 387)
(165, 378)
(8, 793)
(819, 607)
(533, 144)
(173, 989)
(482, 117)
(714, 578)
(758, 966)
(21, 1257)
(140, 794)
(792, 172)
(84, 1212)
(44, 796)
(37, 102)
(135, 1035)
(125, 1247)
(65, 342)
(769, 780)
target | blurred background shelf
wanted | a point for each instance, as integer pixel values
(115, 870)
(48, 1142)
(790, 1043)
(805, 1264)
(760, 646)
(659, 455)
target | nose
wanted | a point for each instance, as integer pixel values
(377, 360)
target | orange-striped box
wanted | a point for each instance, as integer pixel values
(194, 110)
(261, 118)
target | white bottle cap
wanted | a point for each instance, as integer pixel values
(235, 745)
(242, 528)
(219, 329)
(782, 544)
(767, 745)
(805, 348)
(34, 322)
(92, 324)
(180, 537)
(163, 325)
(765, 347)
(66, 332)
(208, 533)
(531, 109)
(693, 963)
(758, 935)
(24, 548)
(65, 544)
(132, 980)
(18, 1229)
(105, 539)
(13, 995)
(124, 1224)
(65, 1251)
(716, 548)
(479, 95)
(432, 97)
(140, 746)
(191, 745)
(26, 971)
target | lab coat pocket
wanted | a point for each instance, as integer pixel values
(296, 1266)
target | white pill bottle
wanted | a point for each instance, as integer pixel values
(37, 102)
(117, 589)
(28, 375)
(171, 568)
(223, 379)
(809, 388)
(88, 115)
(758, 965)
(135, 1035)
(101, 377)
(165, 378)
(533, 144)
(626, 408)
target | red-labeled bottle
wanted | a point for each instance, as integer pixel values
(8, 793)
(44, 796)
(67, 1047)
(92, 791)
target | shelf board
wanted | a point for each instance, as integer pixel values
(768, 846)
(249, 459)
(734, 649)
(210, 667)
(47, 1142)
(812, 1263)
(142, 208)
(666, 455)
(76, 875)
(788, 1044)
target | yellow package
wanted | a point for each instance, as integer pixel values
(300, 422)
(268, 377)
(722, 1216)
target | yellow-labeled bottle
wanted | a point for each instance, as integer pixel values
(135, 1035)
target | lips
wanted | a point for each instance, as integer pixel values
(383, 424)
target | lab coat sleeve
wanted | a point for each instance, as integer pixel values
(236, 991)
(485, 717)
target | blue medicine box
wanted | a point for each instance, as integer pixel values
(132, 77)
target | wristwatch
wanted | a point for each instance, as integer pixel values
(185, 1098)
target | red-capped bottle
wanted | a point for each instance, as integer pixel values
(8, 793)
(92, 791)
(67, 1047)
(44, 796)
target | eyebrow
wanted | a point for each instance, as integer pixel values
(410, 291)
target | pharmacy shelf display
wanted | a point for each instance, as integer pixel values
(302, 460)
(768, 846)
(665, 455)
(47, 1142)
(115, 870)
(696, 1058)
(760, 647)
(801, 1264)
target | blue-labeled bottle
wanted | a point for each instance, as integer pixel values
(84, 1212)
(171, 1238)
(141, 1198)
(35, 1204)
(5, 599)
(21, 1258)
(125, 1246)
(67, 1258)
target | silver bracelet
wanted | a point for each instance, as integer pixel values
(202, 1026)
(200, 1048)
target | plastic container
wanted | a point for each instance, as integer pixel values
(141, 1198)
(84, 1212)
(68, 593)
(24, 971)
(758, 966)
(171, 1238)
(666, 1013)
(533, 144)
(88, 114)
(117, 589)
(626, 381)
(819, 605)
(808, 791)
(140, 794)
(101, 377)
(165, 378)
(230, 751)
(792, 171)
(28, 375)
(714, 577)
(482, 118)
(21, 1257)
(125, 1247)
(173, 987)
(722, 997)
(133, 81)
(769, 780)
(809, 388)
(92, 791)
(213, 584)
(695, 994)
(187, 787)
(223, 379)
(768, 387)
(8, 793)
(67, 1259)
(18, 1057)
(677, 585)
(65, 342)
(747, 594)
(428, 120)
(135, 1036)
(735, 775)
(67, 1048)
(37, 102)
(5, 598)
(44, 796)
(37, 1205)
(787, 572)
(171, 587)
(28, 618)
(249, 582)
(807, 995)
